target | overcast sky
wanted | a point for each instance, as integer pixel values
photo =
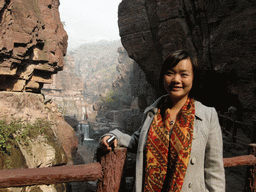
(89, 20)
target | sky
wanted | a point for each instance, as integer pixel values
(89, 20)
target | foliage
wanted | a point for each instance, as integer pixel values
(21, 131)
(62, 109)
(117, 99)
(109, 97)
(106, 73)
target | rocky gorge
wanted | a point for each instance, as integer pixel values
(97, 89)
(88, 75)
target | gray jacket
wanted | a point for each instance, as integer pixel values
(205, 171)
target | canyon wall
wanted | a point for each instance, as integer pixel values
(221, 34)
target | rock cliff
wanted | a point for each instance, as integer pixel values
(32, 44)
(220, 33)
(33, 133)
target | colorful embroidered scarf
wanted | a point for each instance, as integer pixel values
(167, 155)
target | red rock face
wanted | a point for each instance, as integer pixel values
(32, 44)
(221, 34)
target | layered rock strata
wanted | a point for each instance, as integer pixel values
(32, 44)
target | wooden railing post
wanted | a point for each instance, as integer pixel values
(112, 167)
(250, 185)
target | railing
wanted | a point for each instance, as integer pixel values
(230, 127)
(109, 168)
(108, 172)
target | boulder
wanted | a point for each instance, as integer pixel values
(49, 143)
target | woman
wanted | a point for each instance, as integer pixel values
(179, 145)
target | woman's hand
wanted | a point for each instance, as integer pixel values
(104, 144)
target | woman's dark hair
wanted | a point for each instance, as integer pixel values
(172, 60)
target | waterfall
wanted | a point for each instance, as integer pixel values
(85, 129)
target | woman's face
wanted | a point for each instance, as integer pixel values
(178, 80)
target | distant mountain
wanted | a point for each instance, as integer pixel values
(88, 74)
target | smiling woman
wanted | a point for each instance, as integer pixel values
(89, 21)
(179, 145)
